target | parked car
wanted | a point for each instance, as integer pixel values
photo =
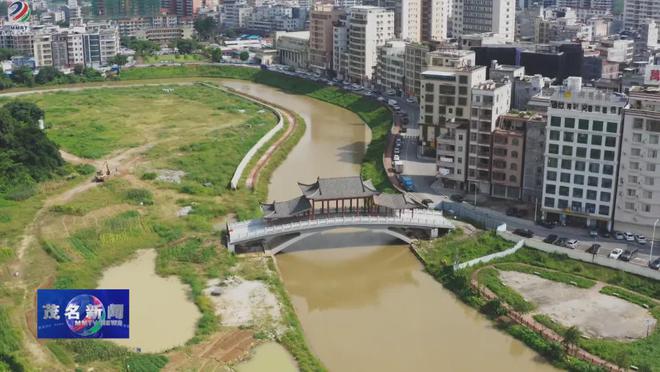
(640, 239)
(550, 239)
(605, 234)
(616, 253)
(411, 100)
(572, 244)
(655, 264)
(524, 233)
(561, 242)
(593, 233)
(628, 254)
(545, 223)
(458, 198)
(593, 249)
(396, 158)
(619, 235)
(629, 236)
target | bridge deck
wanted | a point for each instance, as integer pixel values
(252, 230)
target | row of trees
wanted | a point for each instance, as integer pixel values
(23, 76)
(27, 155)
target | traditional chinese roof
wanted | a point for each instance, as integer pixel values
(396, 201)
(338, 188)
(289, 208)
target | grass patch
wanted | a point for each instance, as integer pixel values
(10, 344)
(178, 58)
(145, 363)
(140, 196)
(455, 247)
(635, 298)
(563, 263)
(549, 275)
(491, 279)
(550, 323)
(372, 112)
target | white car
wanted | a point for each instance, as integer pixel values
(629, 236)
(411, 100)
(396, 158)
(619, 235)
(572, 244)
(380, 99)
(615, 253)
(641, 239)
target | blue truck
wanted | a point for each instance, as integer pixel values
(407, 183)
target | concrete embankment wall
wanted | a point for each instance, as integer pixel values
(490, 257)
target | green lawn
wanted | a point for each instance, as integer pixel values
(176, 58)
(455, 247)
(490, 278)
(374, 114)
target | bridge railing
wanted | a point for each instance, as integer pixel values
(254, 229)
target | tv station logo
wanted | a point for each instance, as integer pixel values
(18, 10)
(82, 313)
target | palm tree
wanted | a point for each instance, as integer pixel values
(571, 337)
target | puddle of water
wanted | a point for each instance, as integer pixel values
(269, 357)
(162, 316)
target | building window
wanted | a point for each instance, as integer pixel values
(630, 205)
(611, 127)
(581, 152)
(596, 140)
(608, 155)
(594, 167)
(512, 178)
(650, 167)
(579, 165)
(606, 183)
(592, 181)
(554, 135)
(583, 138)
(514, 154)
(562, 204)
(646, 208)
(563, 190)
(566, 164)
(555, 121)
(577, 193)
(598, 126)
(568, 136)
(638, 123)
(653, 139)
(591, 194)
(550, 189)
(551, 176)
(637, 137)
(565, 177)
(549, 202)
(552, 162)
(604, 210)
(610, 141)
(605, 197)
(569, 123)
(583, 124)
(594, 154)
(567, 150)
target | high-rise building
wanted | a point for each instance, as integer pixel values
(415, 64)
(435, 19)
(484, 16)
(368, 28)
(125, 8)
(638, 12)
(321, 21)
(638, 201)
(581, 155)
(391, 65)
(340, 47)
(411, 20)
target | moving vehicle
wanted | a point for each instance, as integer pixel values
(572, 244)
(655, 264)
(641, 239)
(593, 249)
(628, 254)
(550, 239)
(524, 233)
(629, 236)
(616, 253)
(619, 235)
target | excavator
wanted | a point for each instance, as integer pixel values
(102, 175)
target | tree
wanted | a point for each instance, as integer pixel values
(23, 75)
(494, 308)
(142, 47)
(206, 27)
(556, 351)
(216, 55)
(571, 337)
(47, 74)
(6, 53)
(5, 83)
(91, 74)
(186, 46)
(244, 56)
(644, 367)
(78, 69)
(25, 112)
(119, 59)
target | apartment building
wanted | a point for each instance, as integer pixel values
(122, 8)
(235, 14)
(43, 49)
(340, 47)
(445, 92)
(638, 196)
(451, 148)
(411, 20)
(488, 100)
(415, 64)
(638, 12)
(435, 20)
(368, 28)
(581, 156)
(483, 16)
(321, 22)
(165, 35)
(391, 65)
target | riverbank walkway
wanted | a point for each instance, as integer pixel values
(331, 203)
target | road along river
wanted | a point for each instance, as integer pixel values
(363, 299)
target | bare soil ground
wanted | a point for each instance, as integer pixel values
(596, 314)
(226, 347)
(243, 302)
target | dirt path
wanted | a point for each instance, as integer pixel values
(226, 347)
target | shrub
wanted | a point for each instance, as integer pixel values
(140, 196)
(85, 169)
(148, 176)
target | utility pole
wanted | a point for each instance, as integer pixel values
(653, 240)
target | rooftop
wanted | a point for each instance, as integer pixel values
(338, 188)
(289, 208)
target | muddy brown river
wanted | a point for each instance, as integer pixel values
(363, 299)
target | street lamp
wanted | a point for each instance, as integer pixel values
(653, 240)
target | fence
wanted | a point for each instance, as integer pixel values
(470, 213)
(490, 257)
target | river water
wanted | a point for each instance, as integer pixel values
(363, 299)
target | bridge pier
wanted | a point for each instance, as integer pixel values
(232, 248)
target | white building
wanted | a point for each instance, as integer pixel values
(368, 28)
(481, 16)
(340, 48)
(292, 48)
(581, 156)
(639, 12)
(638, 198)
(390, 69)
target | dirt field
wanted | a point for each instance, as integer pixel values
(596, 314)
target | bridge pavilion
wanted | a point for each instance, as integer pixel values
(337, 196)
